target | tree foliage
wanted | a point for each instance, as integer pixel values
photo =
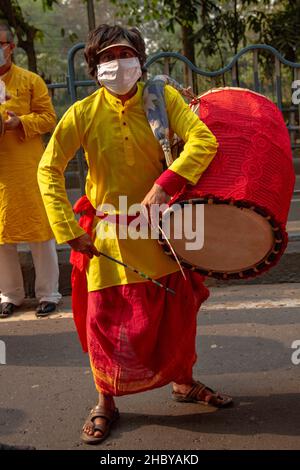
(11, 12)
(280, 27)
(205, 31)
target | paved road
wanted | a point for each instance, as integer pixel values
(244, 343)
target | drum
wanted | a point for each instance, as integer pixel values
(245, 192)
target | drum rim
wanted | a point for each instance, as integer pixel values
(271, 258)
(234, 88)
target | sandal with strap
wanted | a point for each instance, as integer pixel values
(7, 309)
(217, 399)
(99, 412)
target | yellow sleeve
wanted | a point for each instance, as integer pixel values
(61, 148)
(42, 117)
(200, 144)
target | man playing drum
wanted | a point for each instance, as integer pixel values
(138, 335)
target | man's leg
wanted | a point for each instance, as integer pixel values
(107, 402)
(46, 271)
(11, 279)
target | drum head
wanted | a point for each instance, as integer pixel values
(235, 239)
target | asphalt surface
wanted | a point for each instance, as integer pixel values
(245, 334)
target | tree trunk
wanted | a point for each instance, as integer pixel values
(12, 13)
(31, 56)
(189, 53)
(236, 40)
(91, 14)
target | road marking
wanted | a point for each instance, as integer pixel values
(248, 305)
(210, 305)
(26, 316)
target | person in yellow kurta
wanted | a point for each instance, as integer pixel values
(138, 335)
(26, 115)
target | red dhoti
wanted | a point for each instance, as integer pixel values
(138, 336)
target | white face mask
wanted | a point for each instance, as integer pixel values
(119, 75)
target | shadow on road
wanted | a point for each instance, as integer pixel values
(274, 414)
(10, 420)
(232, 354)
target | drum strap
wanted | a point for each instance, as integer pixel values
(156, 112)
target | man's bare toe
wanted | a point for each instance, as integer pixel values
(99, 421)
(88, 430)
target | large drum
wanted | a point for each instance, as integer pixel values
(246, 191)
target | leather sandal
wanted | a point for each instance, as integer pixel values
(45, 308)
(200, 393)
(7, 309)
(99, 412)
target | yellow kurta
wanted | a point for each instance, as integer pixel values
(123, 158)
(22, 213)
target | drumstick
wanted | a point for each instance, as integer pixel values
(140, 273)
(173, 252)
(169, 244)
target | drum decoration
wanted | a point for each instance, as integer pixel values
(246, 190)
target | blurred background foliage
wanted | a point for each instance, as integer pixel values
(208, 32)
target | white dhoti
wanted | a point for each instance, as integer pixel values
(46, 273)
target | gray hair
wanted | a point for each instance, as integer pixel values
(9, 34)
